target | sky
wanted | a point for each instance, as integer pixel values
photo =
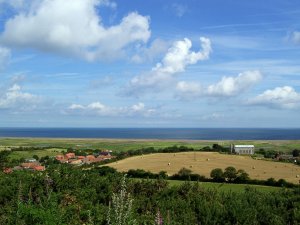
(132, 63)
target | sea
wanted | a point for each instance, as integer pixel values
(157, 133)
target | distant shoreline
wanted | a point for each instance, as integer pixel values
(147, 139)
(168, 134)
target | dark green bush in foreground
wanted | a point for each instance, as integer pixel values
(66, 195)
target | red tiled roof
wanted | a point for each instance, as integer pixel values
(30, 165)
(76, 161)
(39, 168)
(70, 155)
(7, 170)
(59, 157)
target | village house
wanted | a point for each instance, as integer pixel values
(71, 158)
(28, 165)
(33, 166)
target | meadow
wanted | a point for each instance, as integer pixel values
(133, 144)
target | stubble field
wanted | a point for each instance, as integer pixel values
(203, 162)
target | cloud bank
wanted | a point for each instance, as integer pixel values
(99, 109)
(280, 97)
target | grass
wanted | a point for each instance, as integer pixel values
(227, 187)
(204, 162)
(39, 153)
(130, 144)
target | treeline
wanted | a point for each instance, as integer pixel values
(63, 196)
(230, 175)
(171, 149)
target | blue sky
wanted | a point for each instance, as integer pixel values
(194, 63)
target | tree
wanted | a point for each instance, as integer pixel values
(242, 176)
(163, 174)
(296, 153)
(230, 174)
(36, 157)
(4, 158)
(217, 175)
(184, 172)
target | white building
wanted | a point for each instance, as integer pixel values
(243, 149)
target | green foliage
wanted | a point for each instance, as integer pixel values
(217, 175)
(120, 210)
(36, 157)
(230, 174)
(296, 153)
(3, 158)
(66, 195)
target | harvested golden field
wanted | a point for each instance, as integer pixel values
(203, 162)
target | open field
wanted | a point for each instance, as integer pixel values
(203, 162)
(40, 153)
(130, 144)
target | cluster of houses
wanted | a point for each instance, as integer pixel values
(70, 158)
(73, 159)
(29, 164)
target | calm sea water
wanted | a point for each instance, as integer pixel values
(156, 133)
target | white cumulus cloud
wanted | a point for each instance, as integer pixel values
(231, 86)
(177, 58)
(73, 27)
(99, 109)
(15, 98)
(281, 97)
(226, 87)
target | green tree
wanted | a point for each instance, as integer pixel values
(230, 174)
(217, 175)
(36, 157)
(184, 173)
(296, 153)
(242, 176)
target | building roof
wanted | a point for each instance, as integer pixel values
(7, 170)
(244, 146)
(75, 162)
(39, 168)
(30, 165)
